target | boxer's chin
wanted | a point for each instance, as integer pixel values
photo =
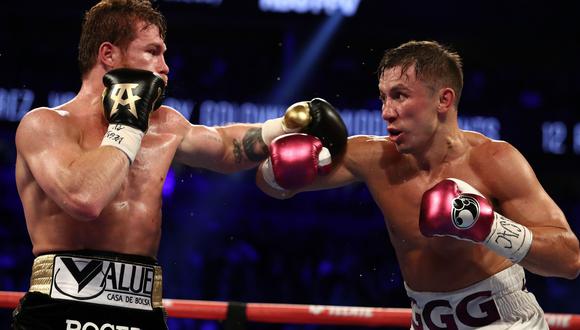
(401, 149)
(400, 143)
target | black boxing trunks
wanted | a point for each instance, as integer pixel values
(92, 290)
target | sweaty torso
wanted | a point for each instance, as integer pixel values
(428, 264)
(131, 223)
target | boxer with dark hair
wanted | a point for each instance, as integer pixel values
(90, 174)
(465, 213)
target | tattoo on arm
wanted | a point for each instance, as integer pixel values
(237, 152)
(254, 147)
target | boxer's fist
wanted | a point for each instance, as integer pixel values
(319, 118)
(295, 161)
(316, 117)
(454, 208)
(130, 95)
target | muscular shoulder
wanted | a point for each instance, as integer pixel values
(367, 151)
(167, 119)
(489, 151)
(359, 145)
(40, 114)
(499, 164)
(42, 121)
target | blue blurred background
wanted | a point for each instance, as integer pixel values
(241, 60)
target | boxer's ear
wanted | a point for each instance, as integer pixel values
(446, 99)
(109, 55)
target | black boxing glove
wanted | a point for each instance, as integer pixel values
(129, 97)
(316, 117)
(327, 125)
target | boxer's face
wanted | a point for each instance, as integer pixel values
(409, 107)
(146, 51)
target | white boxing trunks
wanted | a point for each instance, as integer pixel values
(498, 302)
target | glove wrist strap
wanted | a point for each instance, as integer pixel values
(273, 128)
(268, 175)
(509, 239)
(124, 138)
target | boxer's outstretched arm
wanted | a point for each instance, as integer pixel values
(555, 249)
(343, 173)
(237, 147)
(80, 182)
(224, 149)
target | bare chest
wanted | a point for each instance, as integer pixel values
(398, 195)
(147, 173)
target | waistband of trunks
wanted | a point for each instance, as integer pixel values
(43, 269)
(508, 280)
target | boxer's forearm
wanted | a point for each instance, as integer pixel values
(89, 183)
(244, 147)
(554, 252)
(224, 149)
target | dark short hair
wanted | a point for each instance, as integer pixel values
(114, 21)
(434, 63)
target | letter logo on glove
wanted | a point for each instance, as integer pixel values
(464, 212)
(117, 96)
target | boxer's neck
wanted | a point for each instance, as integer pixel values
(446, 145)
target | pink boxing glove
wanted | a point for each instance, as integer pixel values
(454, 208)
(295, 161)
(448, 210)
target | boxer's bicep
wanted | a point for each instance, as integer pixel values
(519, 194)
(349, 167)
(341, 175)
(521, 198)
(200, 146)
(529, 204)
(42, 142)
